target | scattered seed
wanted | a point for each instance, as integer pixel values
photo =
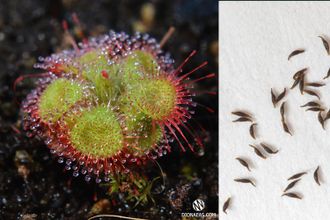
(245, 180)
(226, 205)
(286, 128)
(244, 163)
(325, 44)
(295, 176)
(315, 84)
(296, 82)
(281, 96)
(298, 74)
(243, 119)
(252, 130)
(274, 99)
(292, 195)
(291, 185)
(316, 175)
(282, 110)
(320, 118)
(310, 92)
(315, 109)
(311, 104)
(258, 152)
(242, 114)
(295, 52)
(302, 84)
(268, 149)
(328, 74)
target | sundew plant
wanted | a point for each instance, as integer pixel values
(111, 104)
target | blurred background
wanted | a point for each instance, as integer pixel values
(32, 184)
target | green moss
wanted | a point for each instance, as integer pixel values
(58, 98)
(97, 132)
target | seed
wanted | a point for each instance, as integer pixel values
(282, 110)
(316, 175)
(245, 180)
(226, 205)
(244, 163)
(328, 74)
(268, 149)
(296, 52)
(258, 152)
(310, 92)
(311, 104)
(296, 82)
(286, 128)
(298, 74)
(295, 176)
(302, 83)
(243, 119)
(242, 114)
(315, 84)
(274, 99)
(325, 44)
(315, 109)
(292, 195)
(252, 130)
(291, 185)
(281, 96)
(320, 119)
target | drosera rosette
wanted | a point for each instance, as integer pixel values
(112, 104)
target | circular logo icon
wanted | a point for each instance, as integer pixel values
(198, 205)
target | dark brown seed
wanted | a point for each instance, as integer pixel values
(295, 176)
(315, 109)
(315, 84)
(244, 163)
(245, 180)
(242, 114)
(316, 175)
(268, 149)
(286, 128)
(302, 84)
(310, 92)
(252, 130)
(282, 110)
(325, 44)
(258, 152)
(320, 118)
(281, 96)
(295, 83)
(243, 119)
(328, 74)
(292, 195)
(291, 185)
(274, 99)
(295, 52)
(311, 104)
(226, 205)
(298, 74)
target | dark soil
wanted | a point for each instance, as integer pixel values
(32, 184)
